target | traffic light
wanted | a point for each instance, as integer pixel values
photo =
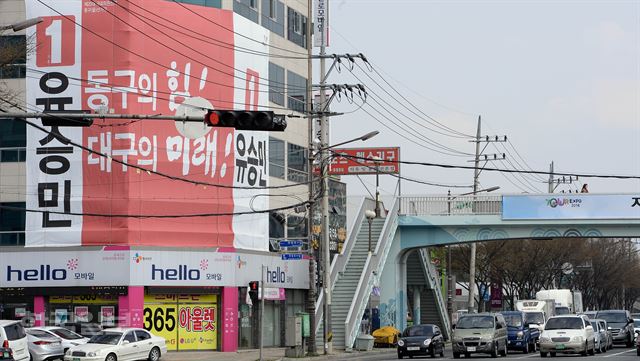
(246, 120)
(62, 121)
(253, 290)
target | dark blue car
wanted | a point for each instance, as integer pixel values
(520, 336)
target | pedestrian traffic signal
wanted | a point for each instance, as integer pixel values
(253, 286)
(246, 120)
(52, 119)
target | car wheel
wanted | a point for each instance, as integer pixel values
(638, 352)
(457, 355)
(111, 357)
(592, 351)
(543, 354)
(630, 341)
(400, 355)
(503, 353)
(154, 354)
(586, 349)
(526, 348)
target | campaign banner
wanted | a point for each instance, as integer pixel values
(571, 206)
(120, 57)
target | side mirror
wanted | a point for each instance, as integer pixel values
(437, 333)
(125, 342)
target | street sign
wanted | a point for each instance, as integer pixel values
(285, 244)
(349, 161)
(291, 256)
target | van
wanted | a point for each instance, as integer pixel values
(480, 333)
(13, 336)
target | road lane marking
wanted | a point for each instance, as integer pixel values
(620, 353)
(527, 356)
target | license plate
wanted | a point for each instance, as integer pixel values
(560, 346)
(76, 359)
(471, 349)
(5, 354)
(413, 348)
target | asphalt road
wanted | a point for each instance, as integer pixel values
(617, 354)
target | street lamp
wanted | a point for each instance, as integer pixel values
(22, 24)
(472, 260)
(326, 316)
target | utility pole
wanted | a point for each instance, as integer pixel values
(311, 294)
(555, 183)
(476, 176)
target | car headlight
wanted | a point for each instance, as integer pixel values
(520, 335)
(576, 339)
(92, 354)
(400, 343)
(426, 342)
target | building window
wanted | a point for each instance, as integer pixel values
(297, 163)
(13, 140)
(296, 91)
(247, 9)
(276, 84)
(208, 3)
(296, 226)
(12, 224)
(297, 27)
(13, 57)
(276, 158)
(273, 16)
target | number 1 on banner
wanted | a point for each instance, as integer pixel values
(56, 40)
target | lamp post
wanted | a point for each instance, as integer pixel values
(326, 319)
(449, 278)
(370, 216)
(22, 24)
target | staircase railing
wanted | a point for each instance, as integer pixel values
(373, 265)
(434, 282)
(339, 263)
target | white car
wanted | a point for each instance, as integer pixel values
(13, 336)
(119, 344)
(67, 337)
(567, 334)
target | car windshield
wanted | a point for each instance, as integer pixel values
(475, 322)
(594, 324)
(636, 323)
(418, 331)
(613, 317)
(534, 317)
(107, 338)
(66, 334)
(513, 320)
(562, 323)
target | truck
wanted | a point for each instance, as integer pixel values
(521, 335)
(566, 301)
(537, 312)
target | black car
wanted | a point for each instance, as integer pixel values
(421, 340)
(6, 354)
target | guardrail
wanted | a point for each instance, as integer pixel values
(372, 267)
(339, 263)
(454, 205)
(435, 286)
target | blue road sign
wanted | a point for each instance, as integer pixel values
(291, 256)
(285, 244)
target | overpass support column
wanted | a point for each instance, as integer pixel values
(416, 306)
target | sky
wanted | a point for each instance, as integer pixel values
(561, 79)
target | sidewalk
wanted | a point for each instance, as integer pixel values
(268, 354)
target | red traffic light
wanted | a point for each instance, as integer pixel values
(253, 286)
(246, 120)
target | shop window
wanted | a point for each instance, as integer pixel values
(13, 140)
(276, 157)
(296, 91)
(297, 163)
(13, 57)
(276, 84)
(296, 27)
(247, 9)
(208, 3)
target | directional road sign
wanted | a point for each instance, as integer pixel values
(295, 243)
(291, 256)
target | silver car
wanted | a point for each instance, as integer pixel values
(67, 337)
(43, 347)
(600, 334)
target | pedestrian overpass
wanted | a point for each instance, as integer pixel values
(400, 265)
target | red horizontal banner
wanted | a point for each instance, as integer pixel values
(349, 161)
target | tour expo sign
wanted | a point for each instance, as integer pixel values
(144, 57)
